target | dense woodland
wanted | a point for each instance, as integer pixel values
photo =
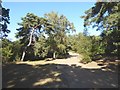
(50, 36)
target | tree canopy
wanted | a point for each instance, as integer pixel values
(4, 20)
(57, 38)
(105, 17)
(52, 29)
(30, 30)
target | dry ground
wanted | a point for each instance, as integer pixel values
(66, 73)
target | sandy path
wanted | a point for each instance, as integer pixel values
(66, 73)
(74, 59)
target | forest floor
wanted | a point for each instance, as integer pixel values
(60, 73)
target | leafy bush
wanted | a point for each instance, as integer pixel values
(86, 59)
(82, 45)
(6, 50)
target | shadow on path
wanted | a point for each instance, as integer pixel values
(58, 76)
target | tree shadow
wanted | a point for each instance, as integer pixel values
(66, 56)
(69, 56)
(58, 76)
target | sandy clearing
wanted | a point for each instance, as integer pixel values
(74, 59)
(62, 73)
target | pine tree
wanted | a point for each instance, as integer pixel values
(4, 20)
(29, 31)
(105, 16)
(57, 39)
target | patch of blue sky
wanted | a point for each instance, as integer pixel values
(72, 10)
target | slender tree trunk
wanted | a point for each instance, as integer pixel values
(23, 55)
(54, 55)
(30, 40)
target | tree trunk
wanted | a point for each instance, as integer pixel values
(54, 55)
(23, 55)
(30, 40)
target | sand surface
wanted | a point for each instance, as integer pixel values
(66, 73)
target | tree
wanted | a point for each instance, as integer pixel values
(98, 48)
(6, 50)
(99, 17)
(29, 31)
(57, 38)
(81, 44)
(4, 20)
(105, 16)
(16, 50)
(41, 47)
(40, 36)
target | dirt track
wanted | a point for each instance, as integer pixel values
(68, 73)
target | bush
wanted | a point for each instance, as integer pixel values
(85, 59)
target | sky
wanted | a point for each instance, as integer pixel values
(72, 10)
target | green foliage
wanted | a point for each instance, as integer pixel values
(11, 51)
(28, 22)
(111, 42)
(57, 39)
(49, 35)
(41, 48)
(6, 50)
(4, 20)
(16, 50)
(85, 58)
(90, 47)
(82, 45)
(29, 33)
(98, 48)
(105, 16)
